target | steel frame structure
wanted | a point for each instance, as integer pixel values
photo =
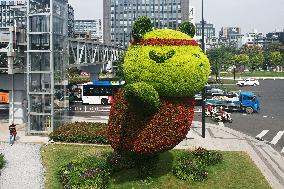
(46, 65)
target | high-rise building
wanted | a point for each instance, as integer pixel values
(231, 34)
(13, 11)
(119, 16)
(92, 26)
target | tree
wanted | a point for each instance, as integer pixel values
(188, 28)
(275, 59)
(256, 57)
(241, 60)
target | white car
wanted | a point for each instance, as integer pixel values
(248, 82)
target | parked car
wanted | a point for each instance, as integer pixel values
(248, 82)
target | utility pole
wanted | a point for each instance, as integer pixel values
(203, 91)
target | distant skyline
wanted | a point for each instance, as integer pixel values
(263, 15)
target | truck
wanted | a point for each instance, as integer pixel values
(245, 101)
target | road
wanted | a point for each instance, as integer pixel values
(268, 124)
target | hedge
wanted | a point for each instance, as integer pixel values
(81, 132)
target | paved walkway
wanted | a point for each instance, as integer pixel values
(218, 137)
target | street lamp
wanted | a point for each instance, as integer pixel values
(203, 91)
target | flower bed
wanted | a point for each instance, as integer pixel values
(81, 132)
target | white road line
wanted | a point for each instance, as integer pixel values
(260, 135)
(277, 137)
(282, 152)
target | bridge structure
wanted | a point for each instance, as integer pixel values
(18, 74)
(93, 57)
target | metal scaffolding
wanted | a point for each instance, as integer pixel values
(46, 64)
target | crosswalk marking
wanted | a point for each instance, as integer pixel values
(277, 137)
(262, 134)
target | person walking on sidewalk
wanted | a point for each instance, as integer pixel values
(13, 133)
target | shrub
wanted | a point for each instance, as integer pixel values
(208, 157)
(81, 132)
(88, 173)
(189, 168)
(188, 28)
(193, 165)
(142, 98)
(140, 27)
(2, 161)
(159, 132)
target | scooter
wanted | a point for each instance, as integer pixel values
(222, 116)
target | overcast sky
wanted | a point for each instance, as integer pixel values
(263, 15)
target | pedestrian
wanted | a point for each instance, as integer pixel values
(13, 133)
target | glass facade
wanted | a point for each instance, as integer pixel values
(46, 64)
(163, 14)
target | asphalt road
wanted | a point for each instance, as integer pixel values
(270, 119)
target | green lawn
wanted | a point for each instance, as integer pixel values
(237, 171)
(254, 74)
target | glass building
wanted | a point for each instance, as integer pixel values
(119, 16)
(47, 33)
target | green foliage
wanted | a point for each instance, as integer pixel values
(166, 34)
(187, 28)
(275, 58)
(2, 161)
(81, 132)
(90, 172)
(78, 80)
(161, 58)
(118, 69)
(141, 26)
(255, 54)
(145, 164)
(221, 57)
(193, 166)
(142, 98)
(181, 75)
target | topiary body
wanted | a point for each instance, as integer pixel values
(154, 112)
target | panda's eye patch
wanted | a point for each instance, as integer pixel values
(159, 57)
(196, 55)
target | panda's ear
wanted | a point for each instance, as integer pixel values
(140, 27)
(187, 28)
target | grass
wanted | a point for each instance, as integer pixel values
(237, 171)
(254, 74)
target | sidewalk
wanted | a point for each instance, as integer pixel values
(21, 137)
(218, 137)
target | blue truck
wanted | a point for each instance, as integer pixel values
(245, 101)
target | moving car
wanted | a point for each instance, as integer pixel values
(248, 82)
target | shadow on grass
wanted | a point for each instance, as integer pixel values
(129, 175)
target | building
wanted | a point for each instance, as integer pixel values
(231, 35)
(71, 20)
(275, 36)
(13, 11)
(119, 16)
(46, 65)
(209, 30)
(93, 26)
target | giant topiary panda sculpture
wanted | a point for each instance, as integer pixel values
(163, 69)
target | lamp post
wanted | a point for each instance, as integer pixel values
(203, 91)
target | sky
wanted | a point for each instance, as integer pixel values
(263, 15)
